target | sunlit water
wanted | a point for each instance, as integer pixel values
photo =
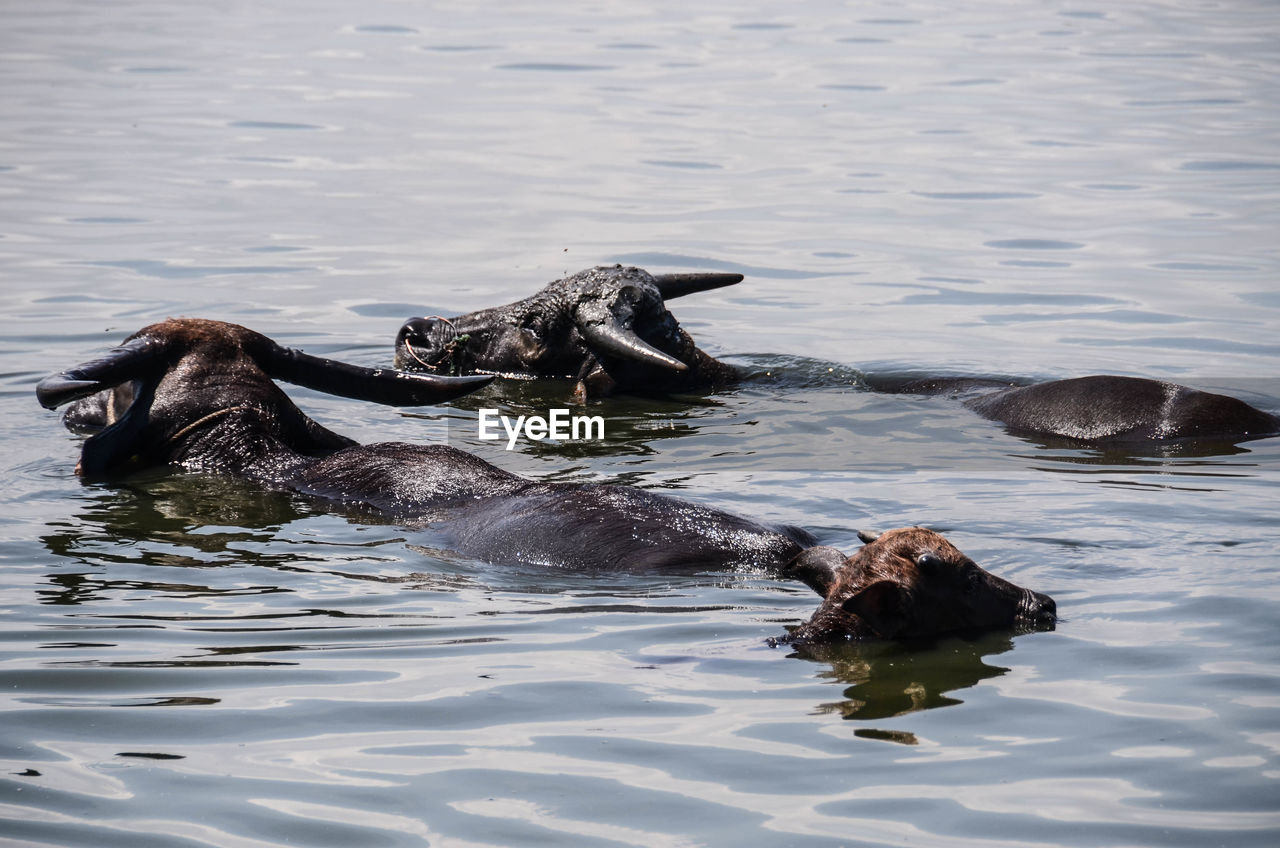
(1031, 189)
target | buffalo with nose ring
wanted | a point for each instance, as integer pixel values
(607, 328)
(200, 396)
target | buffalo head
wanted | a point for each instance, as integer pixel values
(200, 394)
(607, 328)
(906, 584)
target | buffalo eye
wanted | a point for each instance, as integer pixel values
(972, 579)
(929, 562)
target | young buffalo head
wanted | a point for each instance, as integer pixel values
(200, 394)
(906, 584)
(608, 328)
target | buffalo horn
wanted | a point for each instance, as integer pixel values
(380, 385)
(679, 285)
(612, 337)
(130, 361)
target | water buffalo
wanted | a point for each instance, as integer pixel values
(199, 395)
(607, 328)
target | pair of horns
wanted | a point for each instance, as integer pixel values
(147, 356)
(608, 330)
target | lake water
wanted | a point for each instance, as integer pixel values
(1032, 189)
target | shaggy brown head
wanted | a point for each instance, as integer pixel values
(906, 584)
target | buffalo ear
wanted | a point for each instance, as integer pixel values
(136, 359)
(882, 605)
(816, 568)
(380, 385)
(679, 285)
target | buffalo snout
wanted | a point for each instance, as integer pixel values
(1037, 611)
(426, 344)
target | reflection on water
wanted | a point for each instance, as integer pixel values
(893, 679)
(189, 525)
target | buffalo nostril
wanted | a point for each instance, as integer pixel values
(1037, 611)
(416, 330)
(432, 334)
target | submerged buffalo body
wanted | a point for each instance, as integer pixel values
(1103, 409)
(1114, 410)
(607, 328)
(199, 395)
(493, 515)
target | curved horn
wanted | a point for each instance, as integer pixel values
(130, 361)
(607, 326)
(679, 285)
(380, 385)
(868, 536)
(612, 337)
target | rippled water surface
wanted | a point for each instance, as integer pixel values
(1005, 188)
